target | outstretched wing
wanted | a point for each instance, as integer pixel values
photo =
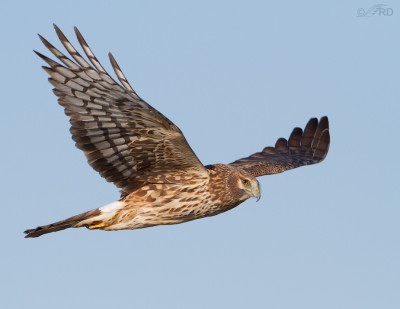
(125, 139)
(302, 148)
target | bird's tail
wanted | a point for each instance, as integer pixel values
(63, 224)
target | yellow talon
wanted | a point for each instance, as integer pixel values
(97, 225)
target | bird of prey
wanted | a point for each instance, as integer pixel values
(146, 156)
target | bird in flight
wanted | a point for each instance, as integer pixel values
(146, 156)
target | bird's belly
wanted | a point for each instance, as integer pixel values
(158, 209)
(164, 205)
(178, 210)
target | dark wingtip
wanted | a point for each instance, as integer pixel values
(312, 124)
(58, 30)
(309, 132)
(45, 58)
(38, 53)
(281, 144)
(324, 122)
(112, 59)
(41, 37)
(322, 148)
(79, 36)
(295, 137)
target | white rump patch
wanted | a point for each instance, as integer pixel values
(112, 207)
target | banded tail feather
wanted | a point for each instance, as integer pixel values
(63, 224)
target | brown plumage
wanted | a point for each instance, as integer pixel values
(147, 157)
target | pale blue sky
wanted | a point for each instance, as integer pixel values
(234, 76)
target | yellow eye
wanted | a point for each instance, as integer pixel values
(246, 182)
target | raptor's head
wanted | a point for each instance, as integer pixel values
(244, 185)
(232, 184)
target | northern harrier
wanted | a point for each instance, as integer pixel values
(147, 157)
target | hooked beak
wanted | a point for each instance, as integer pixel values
(256, 191)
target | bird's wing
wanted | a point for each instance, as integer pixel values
(303, 148)
(125, 139)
